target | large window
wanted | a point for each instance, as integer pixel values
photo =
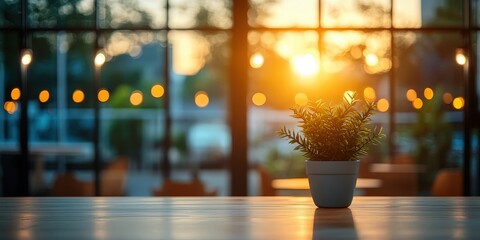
(174, 94)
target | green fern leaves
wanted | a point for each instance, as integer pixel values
(334, 133)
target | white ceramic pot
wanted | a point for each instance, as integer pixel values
(332, 183)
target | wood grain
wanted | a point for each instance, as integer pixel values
(238, 218)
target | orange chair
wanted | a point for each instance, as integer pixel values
(174, 188)
(448, 182)
(112, 181)
(69, 186)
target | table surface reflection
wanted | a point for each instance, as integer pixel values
(238, 218)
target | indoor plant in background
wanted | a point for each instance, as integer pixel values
(333, 138)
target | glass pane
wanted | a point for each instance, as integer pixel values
(61, 14)
(60, 133)
(356, 13)
(283, 13)
(429, 101)
(132, 100)
(291, 64)
(133, 14)
(427, 13)
(200, 132)
(10, 13)
(200, 13)
(10, 83)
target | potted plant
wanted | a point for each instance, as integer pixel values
(333, 138)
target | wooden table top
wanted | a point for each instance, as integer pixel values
(238, 218)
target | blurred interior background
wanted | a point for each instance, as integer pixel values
(122, 97)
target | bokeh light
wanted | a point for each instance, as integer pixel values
(428, 93)
(103, 95)
(411, 95)
(417, 103)
(201, 99)
(26, 57)
(371, 59)
(44, 96)
(15, 94)
(383, 105)
(447, 98)
(259, 99)
(301, 99)
(460, 57)
(157, 91)
(100, 59)
(10, 107)
(78, 96)
(458, 102)
(369, 94)
(256, 60)
(136, 98)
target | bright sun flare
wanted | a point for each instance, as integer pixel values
(305, 65)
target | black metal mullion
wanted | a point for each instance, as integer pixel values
(165, 161)
(23, 169)
(96, 106)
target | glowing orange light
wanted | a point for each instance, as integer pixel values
(428, 93)
(78, 96)
(301, 99)
(411, 95)
(136, 98)
(43, 96)
(458, 102)
(256, 60)
(10, 107)
(417, 103)
(103, 95)
(157, 91)
(447, 98)
(259, 99)
(383, 105)
(369, 94)
(305, 65)
(15, 94)
(201, 99)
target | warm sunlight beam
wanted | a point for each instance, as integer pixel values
(305, 65)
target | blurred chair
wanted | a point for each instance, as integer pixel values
(266, 188)
(174, 188)
(112, 181)
(66, 184)
(448, 182)
(114, 177)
